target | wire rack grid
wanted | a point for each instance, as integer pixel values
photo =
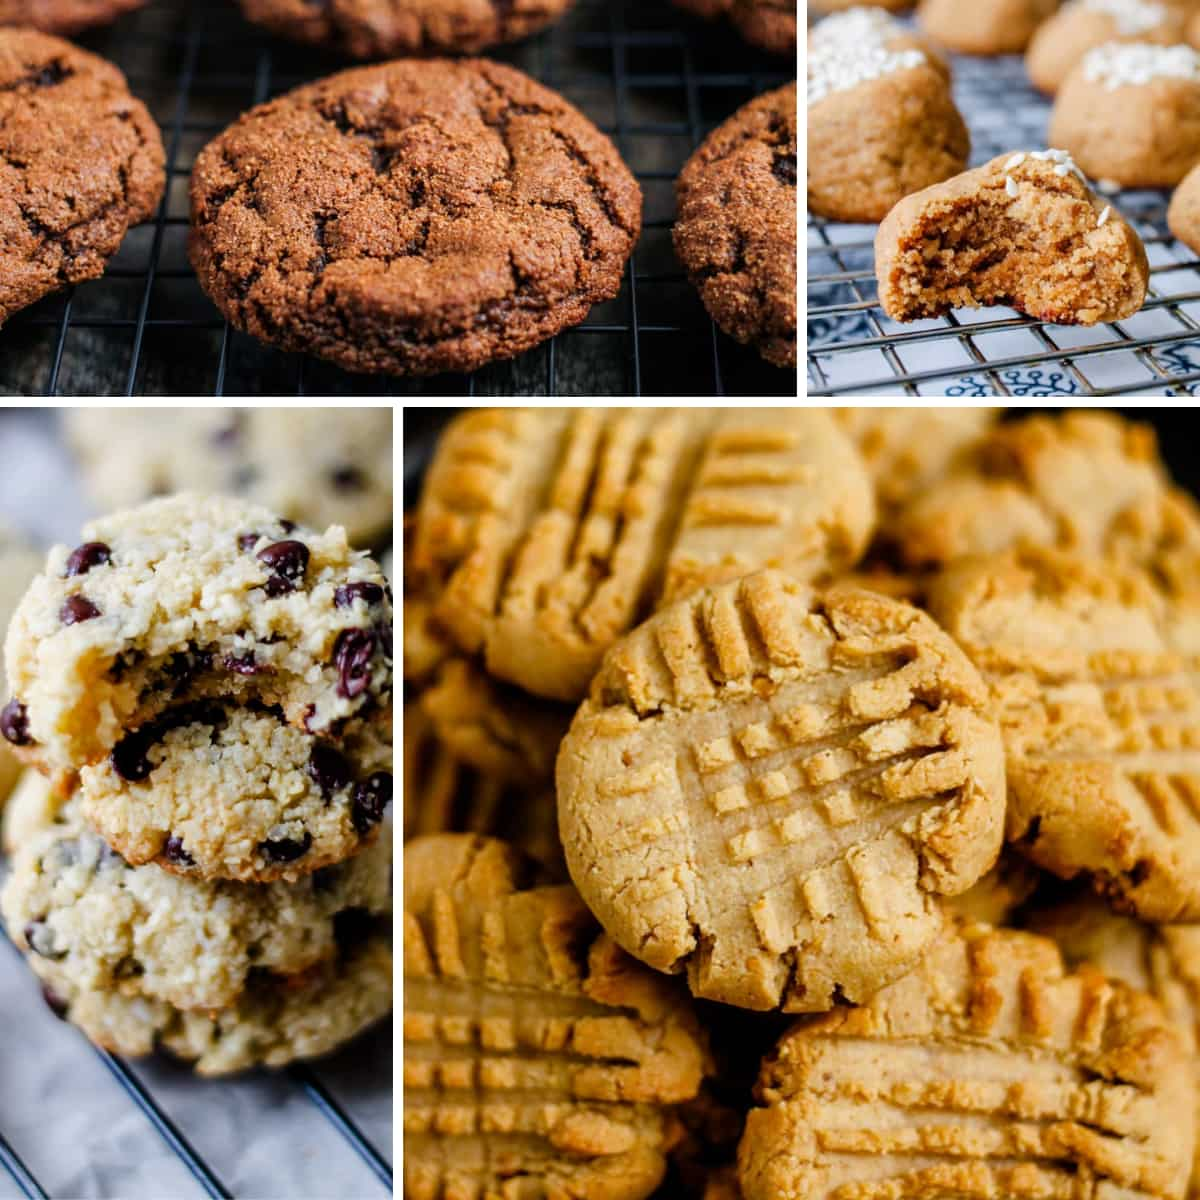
(854, 349)
(650, 76)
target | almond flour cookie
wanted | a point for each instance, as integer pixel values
(193, 598)
(80, 162)
(393, 28)
(1183, 215)
(984, 26)
(767, 24)
(990, 1072)
(770, 788)
(1101, 722)
(1130, 112)
(1082, 25)
(64, 16)
(414, 217)
(533, 1047)
(736, 226)
(316, 466)
(33, 805)
(829, 6)
(109, 926)
(545, 534)
(19, 563)
(882, 123)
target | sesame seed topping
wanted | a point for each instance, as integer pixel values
(1014, 162)
(1131, 17)
(1135, 64)
(1011, 187)
(1104, 215)
(850, 48)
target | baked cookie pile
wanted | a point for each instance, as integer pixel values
(874, 738)
(204, 690)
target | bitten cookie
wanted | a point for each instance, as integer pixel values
(1025, 231)
(64, 16)
(989, 1071)
(984, 26)
(881, 120)
(770, 788)
(1130, 112)
(736, 227)
(414, 217)
(533, 1047)
(80, 162)
(768, 24)
(543, 535)
(392, 28)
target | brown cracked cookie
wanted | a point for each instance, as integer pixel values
(767, 24)
(736, 226)
(534, 1049)
(392, 28)
(770, 788)
(64, 16)
(80, 162)
(414, 217)
(989, 1072)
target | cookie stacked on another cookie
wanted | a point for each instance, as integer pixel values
(206, 687)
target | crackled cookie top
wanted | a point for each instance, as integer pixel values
(545, 534)
(316, 466)
(80, 162)
(768, 24)
(139, 931)
(770, 787)
(187, 598)
(216, 791)
(63, 16)
(989, 1071)
(533, 1047)
(420, 216)
(1134, 64)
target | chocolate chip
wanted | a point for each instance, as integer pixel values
(285, 850)
(288, 558)
(128, 756)
(83, 558)
(55, 1003)
(277, 585)
(371, 797)
(348, 478)
(347, 593)
(247, 541)
(329, 768)
(324, 878)
(76, 609)
(286, 525)
(352, 927)
(174, 852)
(246, 665)
(784, 168)
(14, 723)
(352, 655)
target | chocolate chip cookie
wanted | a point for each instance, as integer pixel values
(768, 24)
(414, 217)
(63, 16)
(80, 162)
(391, 28)
(19, 563)
(736, 226)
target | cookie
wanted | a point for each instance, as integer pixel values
(193, 598)
(316, 466)
(1130, 112)
(80, 162)
(1082, 25)
(19, 563)
(410, 218)
(882, 123)
(1024, 230)
(547, 533)
(216, 791)
(735, 229)
(769, 787)
(392, 28)
(995, 899)
(33, 805)
(275, 1021)
(828, 6)
(768, 24)
(990, 1071)
(985, 27)
(533, 1047)
(1101, 722)
(108, 926)
(64, 16)
(1183, 214)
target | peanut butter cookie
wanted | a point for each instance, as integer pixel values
(984, 27)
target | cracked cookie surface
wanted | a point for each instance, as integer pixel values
(736, 227)
(768, 24)
(81, 161)
(63, 16)
(414, 217)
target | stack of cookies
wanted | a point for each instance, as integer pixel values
(875, 780)
(205, 689)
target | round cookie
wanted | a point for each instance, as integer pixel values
(1024, 230)
(316, 466)
(1082, 25)
(1183, 215)
(1130, 112)
(990, 1070)
(984, 27)
(771, 787)
(64, 16)
(735, 232)
(80, 162)
(19, 563)
(33, 805)
(393, 28)
(881, 120)
(110, 926)
(193, 598)
(767, 24)
(414, 217)
(830, 6)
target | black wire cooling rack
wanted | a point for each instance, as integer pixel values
(650, 76)
(854, 349)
